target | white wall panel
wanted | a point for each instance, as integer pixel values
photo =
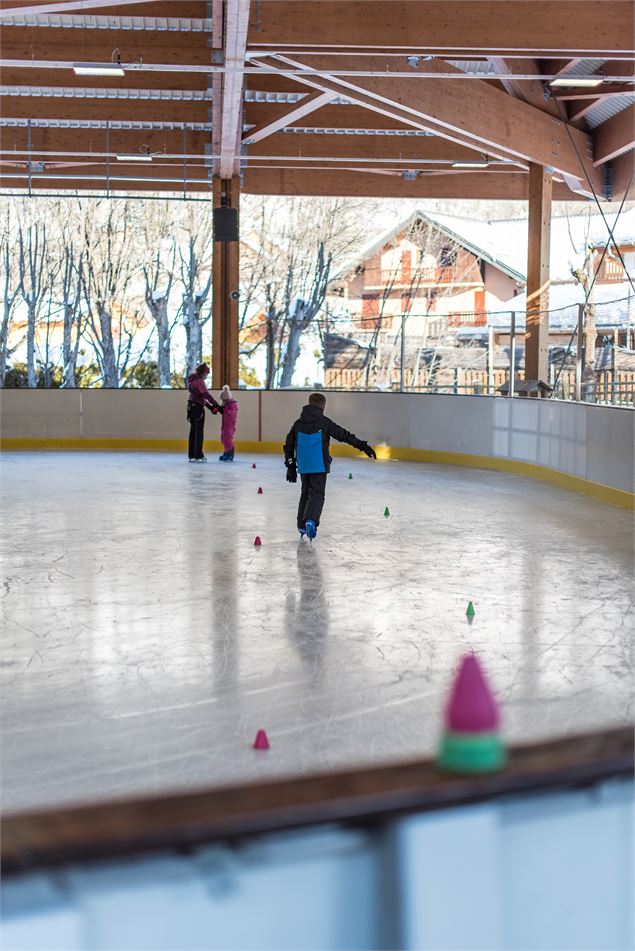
(593, 442)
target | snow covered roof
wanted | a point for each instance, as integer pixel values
(485, 250)
(570, 236)
(614, 306)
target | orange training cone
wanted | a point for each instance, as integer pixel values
(261, 742)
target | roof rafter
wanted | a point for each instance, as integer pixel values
(479, 27)
(64, 6)
(287, 116)
(615, 136)
(236, 24)
(476, 115)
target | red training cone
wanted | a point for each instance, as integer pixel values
(259, 490)
(257, 541)
(253, 465)
(261, 742)
(472, 708)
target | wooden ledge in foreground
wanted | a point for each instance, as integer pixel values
(366, 796)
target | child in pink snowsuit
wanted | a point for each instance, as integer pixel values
(229, 409)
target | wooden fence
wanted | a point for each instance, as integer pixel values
(610, 386)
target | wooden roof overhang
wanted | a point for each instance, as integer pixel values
(319, 97)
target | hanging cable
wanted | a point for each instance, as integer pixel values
(610, 239)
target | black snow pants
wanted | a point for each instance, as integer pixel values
(196, 416)
(311, 497)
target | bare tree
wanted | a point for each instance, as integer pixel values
(109, 267)
(34, 284)
(196, 278)
(295, 242)
(159, 277)
(584, 274)
(12, 289)
(71, 281)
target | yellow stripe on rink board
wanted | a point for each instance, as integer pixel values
(597, 490)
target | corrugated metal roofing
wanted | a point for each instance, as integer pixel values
(80, 22)
(607, 108)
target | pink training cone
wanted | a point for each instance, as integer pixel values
(259, 490)
(253, 465)
(257, 541)
(471, 708)
(261, 742)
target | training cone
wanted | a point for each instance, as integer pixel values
(386, 511)
(470, 610)
(471, 742)
(253, 465)
(261, 742)
(259, 490)
(257, 541)
(350, 475)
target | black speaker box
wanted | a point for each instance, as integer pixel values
(225, 224)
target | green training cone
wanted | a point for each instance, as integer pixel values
(350, 475)
(470, 609)
(471, 752)
(386, 511)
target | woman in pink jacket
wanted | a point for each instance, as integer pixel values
(229, 408)
(198, 398)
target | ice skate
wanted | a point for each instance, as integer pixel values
(302, 532)
(311, 529)
(229, 456)
(223, 458)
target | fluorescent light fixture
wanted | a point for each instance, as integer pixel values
(471, 163)
(98, 69)
(135, 157)
(577, 81)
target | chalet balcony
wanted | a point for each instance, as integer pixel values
(431, 276)
(611, 272)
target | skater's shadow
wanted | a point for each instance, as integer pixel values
(306, 613)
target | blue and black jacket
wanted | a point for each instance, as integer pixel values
(309, 438)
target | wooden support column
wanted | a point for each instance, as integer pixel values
(225, 283)
(537, 330)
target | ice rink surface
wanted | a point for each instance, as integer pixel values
(145, 639)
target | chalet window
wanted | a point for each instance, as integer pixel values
(447, 256)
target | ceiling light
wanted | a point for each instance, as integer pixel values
(472, 163)
(98, 69)
(135, 157)
(576, 81)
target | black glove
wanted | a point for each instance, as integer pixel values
(370, 452)
(292, 472)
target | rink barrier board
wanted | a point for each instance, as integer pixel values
(129, 827)
(563, 480)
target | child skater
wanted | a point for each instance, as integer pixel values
(229, 408)
(198, 398)
(306, 451)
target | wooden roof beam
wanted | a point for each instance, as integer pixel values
(477, 185)
(476, 115)
(615, 136)
(62, 6)
(529, 90)
(330, 117)
(623, 177)
(236, 24)
(54, 142)
(286, 116)
(148, 110)
(364, 148)
(477, 27)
